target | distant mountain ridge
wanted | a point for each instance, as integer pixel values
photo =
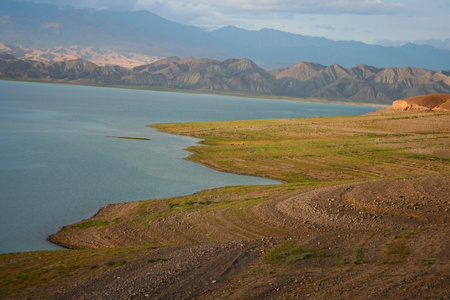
(312, 80)
(44, 26)
(101, 57)
(360, 83)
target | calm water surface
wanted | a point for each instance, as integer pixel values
(58, 165)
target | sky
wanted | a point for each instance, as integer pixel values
(387, 22)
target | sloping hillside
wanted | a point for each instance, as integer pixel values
(435, 102)
(242, 76)
(360, 82)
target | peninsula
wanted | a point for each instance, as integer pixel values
(363, 212)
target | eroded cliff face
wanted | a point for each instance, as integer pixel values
(434, 102)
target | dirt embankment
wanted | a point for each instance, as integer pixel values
(401, 228)
(434, 102)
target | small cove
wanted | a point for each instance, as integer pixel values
(59, 164)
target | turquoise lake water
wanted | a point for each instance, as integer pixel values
(58, 165)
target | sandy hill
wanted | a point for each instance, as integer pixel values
(434, 102)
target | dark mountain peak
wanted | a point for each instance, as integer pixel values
(6, 55)
(229, 29)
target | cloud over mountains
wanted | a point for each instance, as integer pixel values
(364, 7)
(369, 20)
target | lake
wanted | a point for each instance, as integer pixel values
(58, 164)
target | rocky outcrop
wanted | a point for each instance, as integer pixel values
(435, 102)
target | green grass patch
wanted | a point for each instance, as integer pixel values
(344, 261)
(290, 252)
(397, 248)
(246, 274)
(110, 263)
(358, 255)
(22, 273)
(316, 149)
(426, 262)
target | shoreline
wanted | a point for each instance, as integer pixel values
(200, 92)
(199, 144)
(360, 208)
(102, 205)
(178, 129)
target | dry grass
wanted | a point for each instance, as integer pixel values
(303, 153)
(332, 149)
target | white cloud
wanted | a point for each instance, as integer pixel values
(364, 20)
(360, 7)
(212, 14)
(238, 7)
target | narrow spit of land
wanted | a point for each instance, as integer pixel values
(364, 213)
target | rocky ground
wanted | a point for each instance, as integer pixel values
(387, 238)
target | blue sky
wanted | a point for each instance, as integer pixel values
(369, 21)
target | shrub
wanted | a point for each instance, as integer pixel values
(358, 255)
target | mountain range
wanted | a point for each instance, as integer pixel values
(28, 25)
(361, 83)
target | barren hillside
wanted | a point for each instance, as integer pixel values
(434, 102)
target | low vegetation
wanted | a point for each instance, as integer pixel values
(289, 252)
(362, 201)
(22, 274)
(322, 150)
